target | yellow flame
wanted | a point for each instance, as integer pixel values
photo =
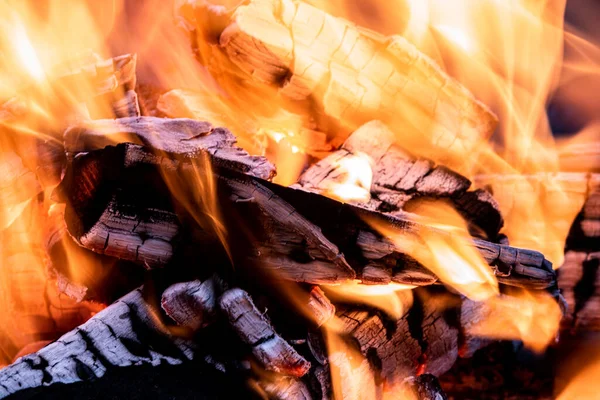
(353, 180)
(442, 244)
(26, 53)
(533, 318)
(394, 298)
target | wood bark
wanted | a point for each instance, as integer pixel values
(124, 334)
(422, 341)
(183, 137)
(346, 73)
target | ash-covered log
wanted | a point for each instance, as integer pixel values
(124, 334)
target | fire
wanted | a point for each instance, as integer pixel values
(442, 245)
(532, 318)
(394, 299)
(508, 53)
(353, 182)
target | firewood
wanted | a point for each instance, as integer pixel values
(347, 73)
(191, 304)
(124, 334)
(80, 273)
(300, 215)
(320, 307)
(591, 208)
(184, 137)
(127, 106)
(270, 349)
(421, 335)
(102, 87)
(249, 128)
(398, 178)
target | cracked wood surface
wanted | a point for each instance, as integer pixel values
(291, 222)
(345, 72)
(180, 136)
(124, 334)
(398, 178)
(252, 326)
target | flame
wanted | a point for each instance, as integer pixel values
(508, 53)
(353, 179)
(579, 368)
(533, 318)
(442, 244)
(394, 298)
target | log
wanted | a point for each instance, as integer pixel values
(184, 137)
(420, 341)
(252, 130)
(348, 74)
(270, 349)
(124, 334)
(80, 273)
(288, 235)
(398, 178)
(191, 304)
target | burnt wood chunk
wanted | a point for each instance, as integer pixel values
(349, 74)
(270, 349)
(118, 203)
(191, 304)
(398, 177)
(420, 341)
(124, 334)
(183, 137)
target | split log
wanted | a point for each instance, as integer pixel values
(291, 226)
(191, 304)
(184, 137)
(124, 334)
(434, 344)
(398, 178)
(270, 349)
(346, 73)
(80, 273)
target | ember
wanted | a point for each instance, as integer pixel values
(312, 199)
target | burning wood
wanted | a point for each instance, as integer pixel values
(365, 278)
(126, 333)
(113, 172)
(347, 73)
